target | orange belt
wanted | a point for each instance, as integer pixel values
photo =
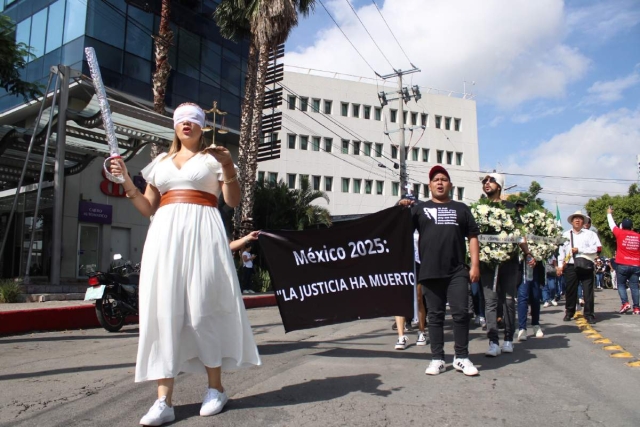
(193, 197)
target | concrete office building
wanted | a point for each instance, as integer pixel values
(334, 133)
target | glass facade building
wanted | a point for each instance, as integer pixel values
(205, 67)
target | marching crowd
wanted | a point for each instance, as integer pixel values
(502, 296)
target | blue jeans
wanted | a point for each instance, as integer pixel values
(528, 292)
(599, 277)
(630, 273)
(478, 299)
(549, 290)
(561, 286)
(580, 291)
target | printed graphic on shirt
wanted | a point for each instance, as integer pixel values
(442, 215)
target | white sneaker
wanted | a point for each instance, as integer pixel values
(158, 414)
(494, 350)
(537, 331)
(522, 335)
(546, 304)
(554, 303)
(402, 343)
(465, 366)
(507, 347)
(213, 402)
(435, 367)
(422, 339)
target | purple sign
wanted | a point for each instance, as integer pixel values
(95, 212)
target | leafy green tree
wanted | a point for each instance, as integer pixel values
(530, 197)
(13, 58)
(623, 207)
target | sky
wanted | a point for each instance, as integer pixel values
(557, 84)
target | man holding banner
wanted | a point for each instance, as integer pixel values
(443, 225)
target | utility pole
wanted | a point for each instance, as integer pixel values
(403, 97)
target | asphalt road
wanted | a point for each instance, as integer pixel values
(344, 375)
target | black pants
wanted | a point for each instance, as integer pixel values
(247, 275)
(504, 296)
(573, 277)
(455, 290)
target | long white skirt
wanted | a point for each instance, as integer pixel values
(191, 309)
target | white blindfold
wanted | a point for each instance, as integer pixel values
(190, 113)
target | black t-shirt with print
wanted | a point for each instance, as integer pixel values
(443, 228)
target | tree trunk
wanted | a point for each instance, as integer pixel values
(162, 43)
(249, 154)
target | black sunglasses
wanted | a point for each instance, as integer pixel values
(489, 179)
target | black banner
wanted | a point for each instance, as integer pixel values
(358, 269)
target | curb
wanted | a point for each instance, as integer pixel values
(80, 317)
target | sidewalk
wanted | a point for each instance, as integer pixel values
(62, 315)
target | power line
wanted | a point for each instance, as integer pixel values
(345, 36)
(393, 35)
(372, 39)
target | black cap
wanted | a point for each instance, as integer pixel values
(626, 224)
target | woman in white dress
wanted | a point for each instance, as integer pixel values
(192, 318)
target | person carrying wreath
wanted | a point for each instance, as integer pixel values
(192, 318)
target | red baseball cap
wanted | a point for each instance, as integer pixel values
(436, 170)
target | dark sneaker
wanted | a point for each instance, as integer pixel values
(567, 318)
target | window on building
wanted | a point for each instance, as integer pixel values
(368, 186)
(304, 178)
(356, 148)
(345, 185)
(291, 180)
(395, 188)
(304, 103)
(393, 115)
(328, 143)
(316, 183)
(357, 183)
(327, 106)
(426, 191)
(273, 177)
(415, 154)
(74, 21)
(38, 33)
(291, 141)
(424, 118)
(449, 157)
(260, 176)
(405, 117)
(447, 123)
(438, 122)
(55, 26)
(304, 142)
(451, 192)
(458, 159)
(366, 112)
(425, 155)
(328, 183)
(315, 143)
(460, 191)
(344, 109)
(377, 113)
(355, 110)
(414, 119)
(416, 190)
(394, 151)
(315, 105)
(456, 125)
(379, 187)
(345, 146)
(291, 102)
(439, 156)
(378, 150)
(367, 149)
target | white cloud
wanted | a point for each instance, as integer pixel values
(537, 113)
(602, 21)
(610, 91)
(600, 147)
(514, 52)
(496, 121)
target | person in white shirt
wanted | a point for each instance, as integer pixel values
(581, 243)
(247, 268)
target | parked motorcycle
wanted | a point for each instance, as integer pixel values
(115, 294)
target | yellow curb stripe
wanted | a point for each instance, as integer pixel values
(634, 364)
(622, 355)
(595, 336)
(602, 341)
(614, 347)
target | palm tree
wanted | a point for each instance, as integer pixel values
(267, 23)
(308, 214)
(162, 44)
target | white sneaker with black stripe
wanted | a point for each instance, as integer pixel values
(402, 343)
(465, 366)
(422, 339)
(435, 367)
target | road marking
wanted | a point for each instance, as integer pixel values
(592, 334)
